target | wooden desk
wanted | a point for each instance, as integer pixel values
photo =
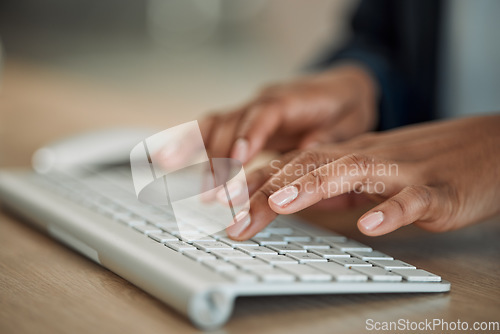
(47, 288)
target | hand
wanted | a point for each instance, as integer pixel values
(331, 106)
(440, 176)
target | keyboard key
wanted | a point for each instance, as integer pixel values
(187, 231)
(339, 272)
(240, 277)
(249, 263)
(120, 215)
(311, 244)
(329, 253)
(375, 255)
(253, 251)
(306, 257)
(234, 243)
(392, 264)
(317, 232)
(219, 265)
(155, 218)
(272, 240)
(351, 245)
(147, 229)
(262, 234)
(330, 239)
(417, 275)
(218, 235)
(162, 237)
(275, 259)
(196, 238)
(297, 237)
(290, 248)
(198, 255)
(351, 262)
(208, 245)
(227, 254)
(168, 227)
(305, 273)
(278, 230)
(179, 246)
(133, 221)
(273, 275)
(378, 274)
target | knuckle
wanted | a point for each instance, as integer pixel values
(358, 161)
(451, 207)
(398, 203)
(263, 192)
(268, 189)
(308, 156)
(319, 177)
(422, 193)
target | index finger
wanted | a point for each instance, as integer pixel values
(258, 124)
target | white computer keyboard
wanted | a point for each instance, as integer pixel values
(200, 275)
(285, 251)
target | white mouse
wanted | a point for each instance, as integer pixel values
(102, 147)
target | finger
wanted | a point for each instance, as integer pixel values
(412, 204)
(317, 137)
(260, 214)
(260, 176)
(353, 173)
(256, 126)
(342, 202)
(255, 179)
(206, 125)
(222, 136)
(344, 125)
(208, 185)
(180, 146)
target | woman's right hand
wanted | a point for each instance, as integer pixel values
(332, 106)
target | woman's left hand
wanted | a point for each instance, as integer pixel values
(440, 176)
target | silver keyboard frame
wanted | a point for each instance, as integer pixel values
(204, 296)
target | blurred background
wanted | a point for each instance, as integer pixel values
(71, 66)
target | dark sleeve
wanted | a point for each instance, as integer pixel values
(374, 43)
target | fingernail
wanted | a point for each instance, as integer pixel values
(284, 196)
(241, 222)
(233, 189)
(240, 150)
(371, 221)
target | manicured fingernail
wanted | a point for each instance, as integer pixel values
(284, 196)
(371, 221)
(240, 150)
(241, 222)
(233, 189)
